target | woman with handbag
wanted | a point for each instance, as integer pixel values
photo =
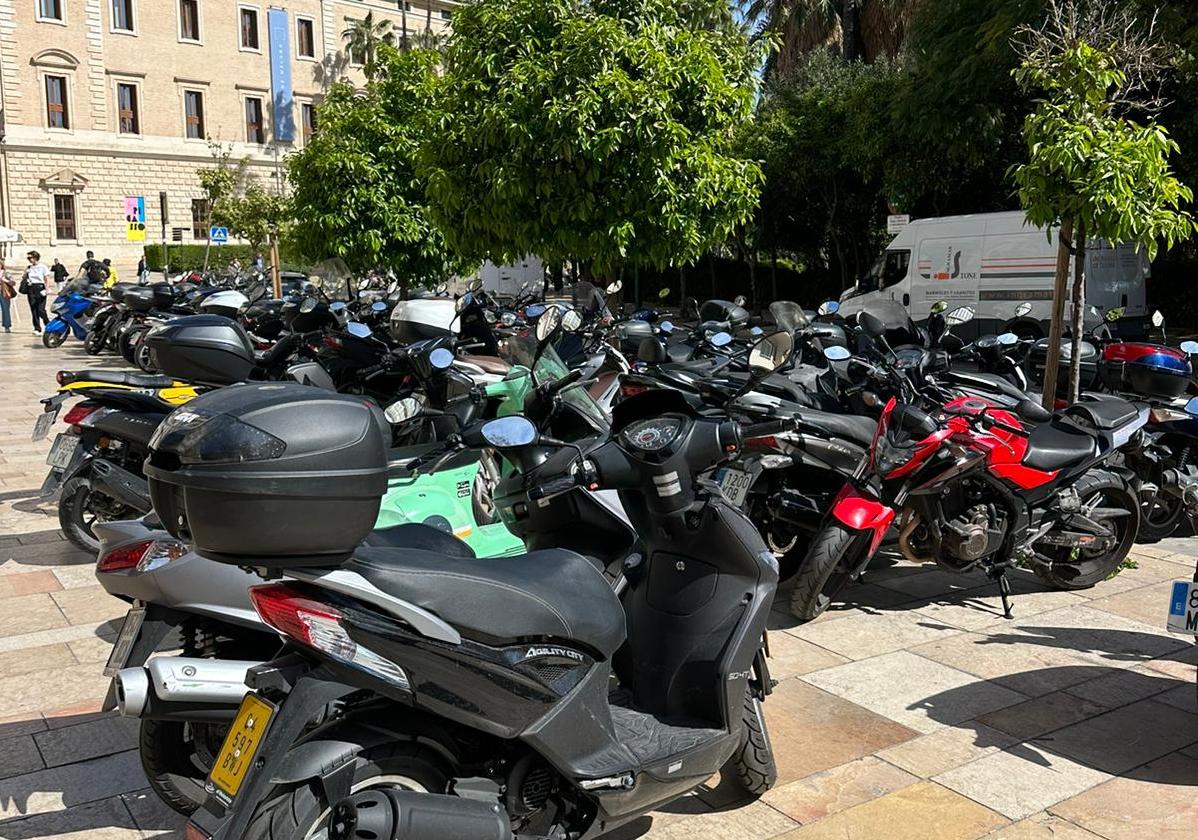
(7, 292)
(36, 285)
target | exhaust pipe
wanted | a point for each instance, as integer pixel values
(183, 688)
(389, 814)
(121, 485)
(1183, 485)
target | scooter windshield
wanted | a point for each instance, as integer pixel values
(900, 329)
(788, 315)
(549, 367)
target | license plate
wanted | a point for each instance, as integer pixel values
(1183, 607)
(735, 485)
(245, 736)
(124, 641)
(61, 451)
(41, 426)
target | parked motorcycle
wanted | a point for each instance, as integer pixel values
(69, 308)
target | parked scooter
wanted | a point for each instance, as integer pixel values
(69, 308)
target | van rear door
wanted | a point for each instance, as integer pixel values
(1115, 277)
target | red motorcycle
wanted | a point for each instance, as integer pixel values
(974, 489)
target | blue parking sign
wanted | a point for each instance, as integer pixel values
(218, 234)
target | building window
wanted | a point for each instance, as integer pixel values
(126, 107)
(56, 102)
(307, 120)
(64, 217)
(50, 10)
(199, 218)
(122, 15)
(305, 38)
(189, 20)
(249, 29)
(446, 14)
(193, 102)
(255, 128)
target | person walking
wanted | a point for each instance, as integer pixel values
(7, 292)
(112, 279)
(93, 269)
(143, 271)
(37, 284)
(60, 273)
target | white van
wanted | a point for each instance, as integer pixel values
(994, 262)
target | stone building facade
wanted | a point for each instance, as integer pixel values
(109, 99)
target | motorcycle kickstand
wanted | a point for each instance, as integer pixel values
(1004, 590)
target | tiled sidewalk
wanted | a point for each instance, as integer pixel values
(916, 712)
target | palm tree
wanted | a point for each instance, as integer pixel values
(857, 29)
(362, 37)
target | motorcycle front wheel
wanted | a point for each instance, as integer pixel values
(53, 339)
(825, 571)
(93, 342)
(1081, 568)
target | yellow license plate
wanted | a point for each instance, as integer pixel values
(237, 753)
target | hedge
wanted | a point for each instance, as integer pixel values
(191, 257)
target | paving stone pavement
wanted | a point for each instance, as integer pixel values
(915, 711)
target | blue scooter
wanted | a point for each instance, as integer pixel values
(68, 307)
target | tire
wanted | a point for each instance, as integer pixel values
(753, 763)
(53, 339)
(1160, 517)
(1084, 570)
(93, 342)
(142, 356)
(825, 570)
(126, 343)
(76, 520)
(294, 812)
(172, 764)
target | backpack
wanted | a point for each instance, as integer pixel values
(95, 271)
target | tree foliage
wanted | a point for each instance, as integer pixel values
(357, 193)
(597, 130)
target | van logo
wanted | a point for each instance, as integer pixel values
(566, 653)
(952, 268)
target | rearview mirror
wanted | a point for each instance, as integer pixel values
(666, 326)
(572, 321)
(548, 323)
(1190, 347)
(1158, 320)
(464, 301)
(720, 339)
(534, 310)
(960, 315)
(828, 307)
(358, 330)
(836, 353)
(872, 324)
(1022, 309)
(508, 319)
(739, 300)
(1008, 339)
(377, 306)
(615, 287)
(508, 432)
(770, 353)
(404, 409)
(663, 294)
(938, 307)
(364, 283)
(489, 316)
(441, 359)
(1117, 313)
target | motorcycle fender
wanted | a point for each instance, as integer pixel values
(56, 326)
(861, 513)
(80, 462)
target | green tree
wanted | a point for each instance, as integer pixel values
(356, 191)
(363, 36)
(595, 131)
(1092, 170)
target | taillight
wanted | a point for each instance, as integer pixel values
(144, 555)
(79, 413)
(62, 376)
(767, 441)
(332, 341)
(318, 626)
(630, 390)
(194, 832)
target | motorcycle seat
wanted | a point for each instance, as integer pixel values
(418, 536)
(1055, 446)
(489, 364)
(118, 377)
(549, 594)
(1105, 415)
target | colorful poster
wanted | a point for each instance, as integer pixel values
(280, 75)
(135, 218)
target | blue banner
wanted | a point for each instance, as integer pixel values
(280, 75)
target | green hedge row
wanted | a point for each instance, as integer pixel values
(191, 257)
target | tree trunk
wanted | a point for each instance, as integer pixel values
(753, 282)
(428, 22)
(1060, 289)
(275, 276)
(850, 21)
(773, 274)
(711, 271)
(1079, 304)
(403, 21)
(681, 286)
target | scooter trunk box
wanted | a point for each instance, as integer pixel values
(1146, 370)
(1038, 356)
(208, 349)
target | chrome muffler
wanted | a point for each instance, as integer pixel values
(183, 688)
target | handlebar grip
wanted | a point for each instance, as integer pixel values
(553, 487)
(770, 427)
(566, 381)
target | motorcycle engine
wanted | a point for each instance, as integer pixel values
(973, 534)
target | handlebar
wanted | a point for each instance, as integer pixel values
(769, 427)
(555, 486)
(563, 383)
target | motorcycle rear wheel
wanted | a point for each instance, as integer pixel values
(93, 342)
(1082, 568)
(1159, 517)
(301, 811)
(825, 571)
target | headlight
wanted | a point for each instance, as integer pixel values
(890, 455)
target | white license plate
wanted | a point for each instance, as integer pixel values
(734, 484)
(1183, 607)
(41, 426)
(61, 451)
(124, 641)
